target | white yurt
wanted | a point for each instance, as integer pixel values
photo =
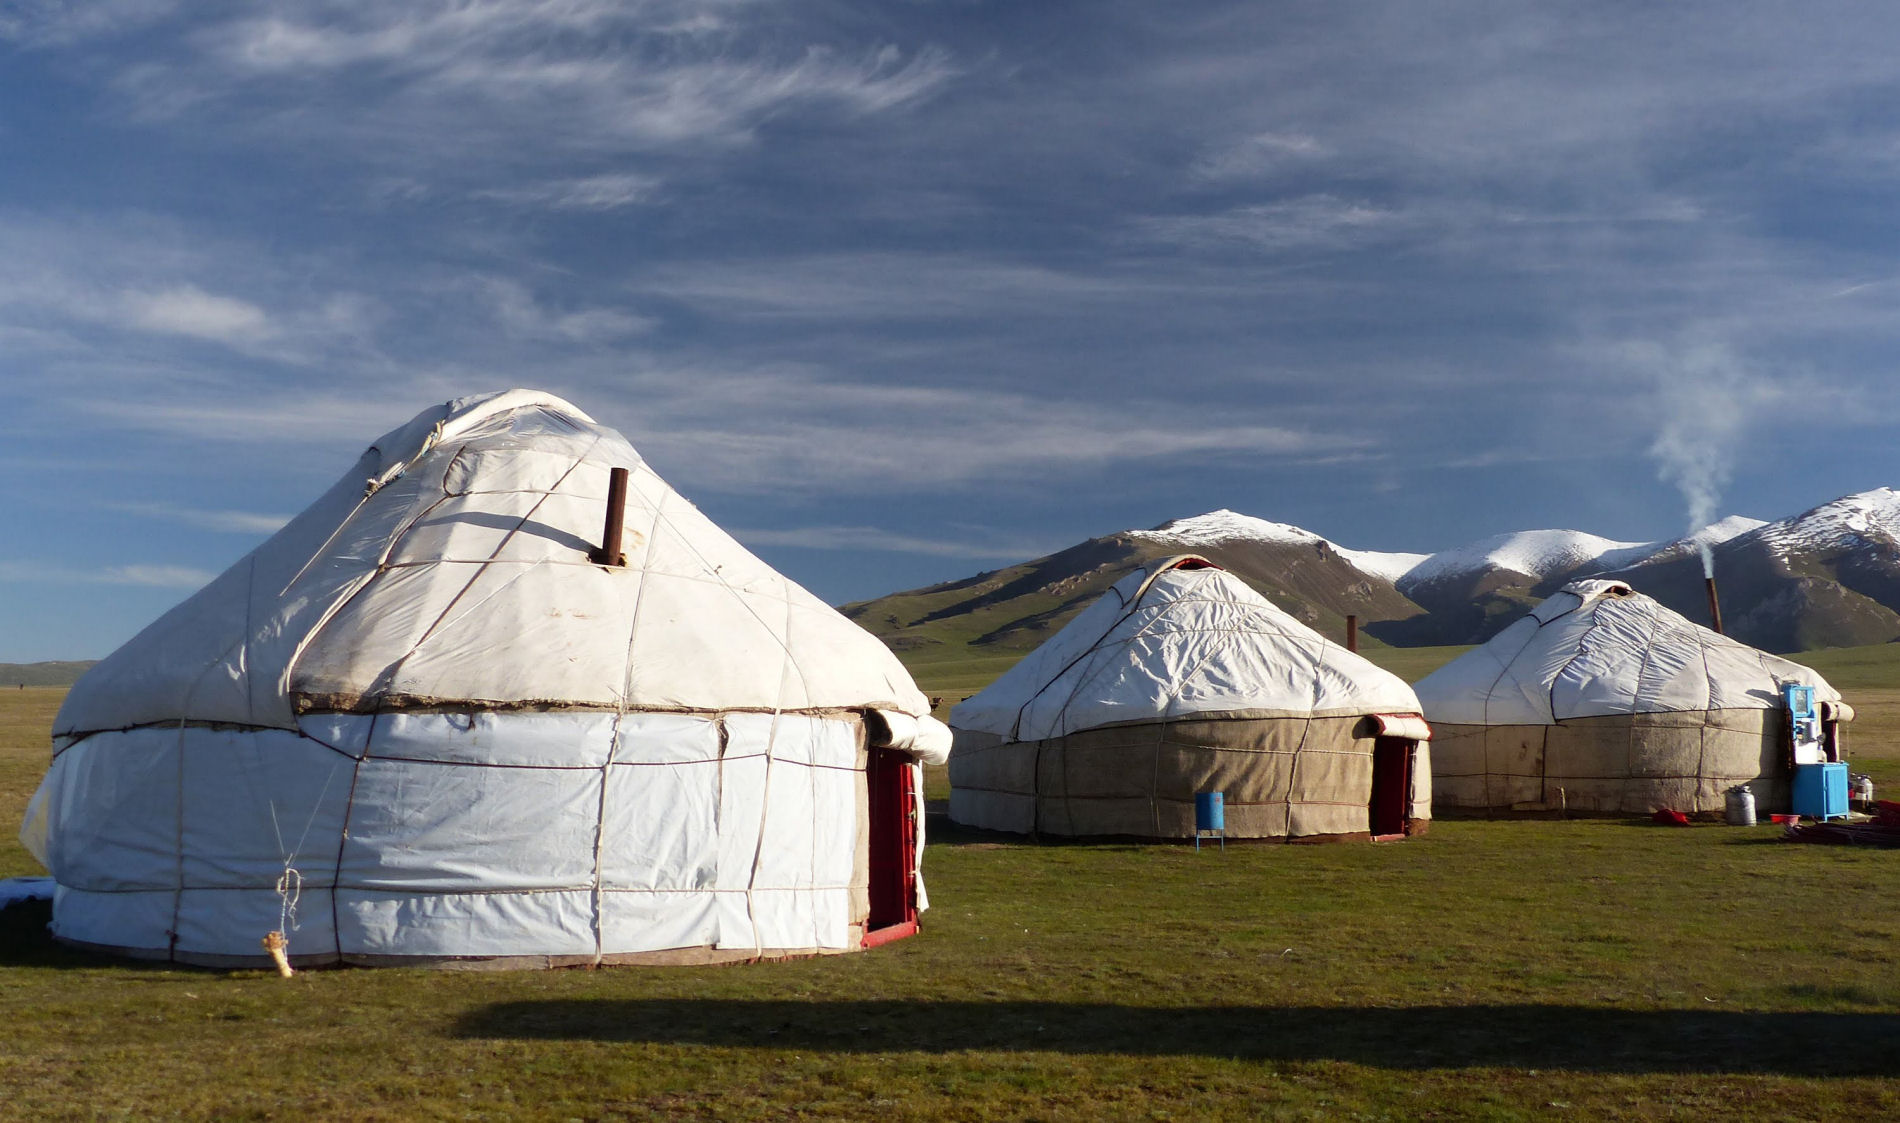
(1182, 680)
(432, 719)
(1602, 700)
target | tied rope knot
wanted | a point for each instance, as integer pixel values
(289, 891)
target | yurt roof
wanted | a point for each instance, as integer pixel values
(450, 568)
(1177, 639)
(1599, 648)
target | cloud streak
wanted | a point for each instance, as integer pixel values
(579, 75)
(226, 522)
(882, 540)
(604, 192)
(189, 310)
(147, 575)
(1309, 222)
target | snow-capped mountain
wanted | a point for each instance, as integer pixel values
(1228, 528)
(1538, 554)
(1826, 577)
(1223, 526)
(1867, 518)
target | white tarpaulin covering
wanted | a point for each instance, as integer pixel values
(419, 721)
(1185, 641)
(1596, 649)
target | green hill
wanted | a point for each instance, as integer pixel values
(43, 674)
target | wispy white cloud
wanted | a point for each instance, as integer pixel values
(157, 576)
(339, 34)
(77, 281)
(976, 546)
(1256, 156)
(230, 522)
(1309, 222)
(189, 310)
(52, 23)
(262, 417)
(889, 286)
(578, 74)
(791, 431)
(587, 193)
(143, 574)
(522, 316)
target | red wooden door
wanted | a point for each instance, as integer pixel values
(893, 806)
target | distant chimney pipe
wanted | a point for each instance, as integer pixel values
(609, 552)
(1352, 632)
(1715, 606)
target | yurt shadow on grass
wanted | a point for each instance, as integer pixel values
(436, 719)
(1182, 680)
(1527, 1036)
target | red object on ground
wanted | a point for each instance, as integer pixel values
(1670, 817)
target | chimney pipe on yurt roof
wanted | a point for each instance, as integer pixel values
(609, 552)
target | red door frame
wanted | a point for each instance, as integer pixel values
(1388, 809)
(893, 843)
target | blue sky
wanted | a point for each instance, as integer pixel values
(900, 291)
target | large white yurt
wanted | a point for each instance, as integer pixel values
(433, 719)
(1602, 700)
(1182, 680)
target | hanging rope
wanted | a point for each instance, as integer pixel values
(289, 891)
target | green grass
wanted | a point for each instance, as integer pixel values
(1590, 969)
(1412, 663)
(1851, 669)
(26, 723)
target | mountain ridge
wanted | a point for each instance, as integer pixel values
(1829, 576)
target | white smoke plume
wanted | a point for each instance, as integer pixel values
(1706, 398)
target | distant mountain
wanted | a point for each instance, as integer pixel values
(1829, 577)
(42, 674)
(1472, 592)
(1015, 609)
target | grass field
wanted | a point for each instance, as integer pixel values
(1585, 969)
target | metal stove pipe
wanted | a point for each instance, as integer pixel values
(609, 552)
(1715, 606)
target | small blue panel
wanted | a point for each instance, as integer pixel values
(1210, 811)
(1799, 699)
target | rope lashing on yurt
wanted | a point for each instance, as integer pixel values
(290, 882)
(277, 943)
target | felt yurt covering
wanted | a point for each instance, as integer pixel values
(1180, 680)
(419, 724)
(1602, 700)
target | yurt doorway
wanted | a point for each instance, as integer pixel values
(893, 844)
(1391, 786)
